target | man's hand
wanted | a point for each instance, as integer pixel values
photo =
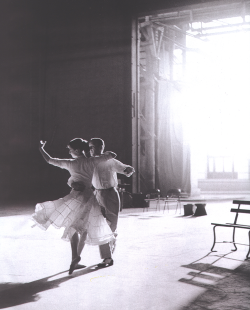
(78, 186)
(129, 171)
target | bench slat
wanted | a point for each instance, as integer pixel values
(240, 210)
(238, 224)
(241, 202)
(232, 225)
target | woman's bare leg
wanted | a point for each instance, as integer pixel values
(74, 245)
(81, 243)
(77, 247)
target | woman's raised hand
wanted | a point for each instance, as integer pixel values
(42, 143)
(45, 155)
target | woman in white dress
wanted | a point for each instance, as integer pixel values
(78, 212)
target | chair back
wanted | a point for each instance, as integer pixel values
(174, 193)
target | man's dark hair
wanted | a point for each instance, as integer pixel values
(79, 144)
(97, 142)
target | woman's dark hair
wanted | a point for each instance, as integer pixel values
(98, 142)
(79, 144)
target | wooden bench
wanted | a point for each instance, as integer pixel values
(235, 225)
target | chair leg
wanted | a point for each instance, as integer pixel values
(179, 203)
(177, 206)
(158, 205)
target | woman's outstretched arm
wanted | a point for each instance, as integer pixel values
(45, 155)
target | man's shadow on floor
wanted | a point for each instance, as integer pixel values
(28, 292)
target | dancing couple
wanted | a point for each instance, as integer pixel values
(89, 213)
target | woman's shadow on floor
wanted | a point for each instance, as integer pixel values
(28, 292)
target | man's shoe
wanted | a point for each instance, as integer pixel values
(106, 263)
(74, 264)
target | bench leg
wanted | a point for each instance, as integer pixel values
(214, 240)
(249, 245)
(234, 240)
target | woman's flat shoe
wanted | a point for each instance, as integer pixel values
(79, 266)
(74, 264)
(106, 263)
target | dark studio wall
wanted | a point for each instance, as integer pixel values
(65, 73)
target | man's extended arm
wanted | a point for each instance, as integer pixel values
(119, 167)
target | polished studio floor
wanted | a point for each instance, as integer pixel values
(162, 262)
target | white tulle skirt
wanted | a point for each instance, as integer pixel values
(76, 212)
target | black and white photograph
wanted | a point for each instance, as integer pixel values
(125, 154)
